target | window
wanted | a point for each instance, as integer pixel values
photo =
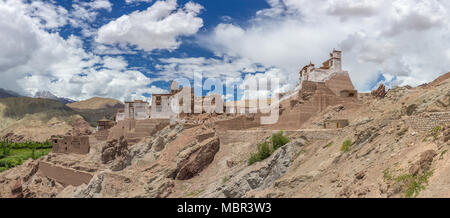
(158, 100)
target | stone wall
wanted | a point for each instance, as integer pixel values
(65, 176)
(427, 121)
(238, 123)
(236, 136)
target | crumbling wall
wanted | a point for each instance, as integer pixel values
(102, 135)
(238, 123)
(64, 175)
(71, 144)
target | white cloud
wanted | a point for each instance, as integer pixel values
(408, 40)
(51, 16)
(32, 59)
(157, 27)
(226, 67)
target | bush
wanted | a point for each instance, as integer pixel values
(346, 145)
(265, 149)
(411, 185)
(278, 140)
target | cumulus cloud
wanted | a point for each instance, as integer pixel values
(51, 16)
(157, 27)
(33, 59)
(404, 40)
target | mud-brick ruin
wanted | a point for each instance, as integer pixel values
(70, 144)
(318, 89)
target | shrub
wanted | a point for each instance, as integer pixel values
(278, 140)
(410, 184)
(346, 145)
(265, 149)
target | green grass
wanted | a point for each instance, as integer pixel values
(225, 179)
(346, 145)
(435, 132)
(14, 154)
(265, 149)
(412, 185)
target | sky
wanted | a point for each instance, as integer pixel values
(129, 49)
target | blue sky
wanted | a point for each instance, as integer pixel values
(128, 49)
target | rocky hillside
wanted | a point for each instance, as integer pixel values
(37, 119)
(396, 145)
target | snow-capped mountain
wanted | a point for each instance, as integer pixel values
(49, 95)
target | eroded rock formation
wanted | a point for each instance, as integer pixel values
(380, 92)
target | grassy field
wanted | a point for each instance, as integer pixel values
(14, 154)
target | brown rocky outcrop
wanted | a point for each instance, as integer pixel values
(198, 160)
(16, 190)
(81, 127)
(13, 137)
(446, 133)
(114, 148)
(424, 163)
(380, 92)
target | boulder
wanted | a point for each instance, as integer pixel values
(16, 190)
(258, 176)
(424, 163)
(114, 149)
(198, 160)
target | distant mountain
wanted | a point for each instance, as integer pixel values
(96, 108)
(7, 93)
(97, 103)
(49, 95)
